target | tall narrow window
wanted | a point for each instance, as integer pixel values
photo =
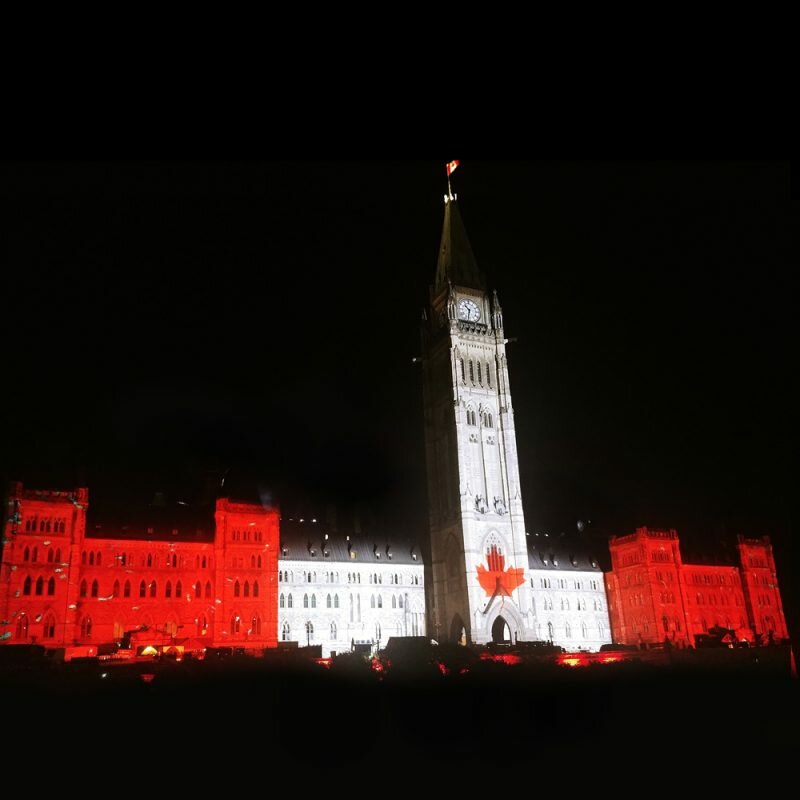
(336, 601)
(49, 630)
(289, 601)
(126, 592)
(479, 373)
(236, 589)
(333, 631)
(208, 590)
(168, 590)
(235, 624)
(95, 589)
(313, 601)
(463, 376)
(142, 589)
(380, 602)
(372, 601)
(153, 589)
(178, 590)
(488, 375)
(86, 628)
(305, 601)
(285, 632)
(255, 626)
(115, 590)
(255, 588)
(82, 591)
(22, 628)
(328, 601)
(471, 372)
(50, 556)
(51, 586)
(247, 588)
(39, 585)
(98, 559)
(91, 559)
(282, 601)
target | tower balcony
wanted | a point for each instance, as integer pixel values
(465, 326)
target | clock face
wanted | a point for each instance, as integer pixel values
(468, 309)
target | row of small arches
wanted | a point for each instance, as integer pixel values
(580, 604)
(286, 631)
(95, 559)
(38, 587)
(310, 601)
(487, 421)
(53, 556)
(236, 626)
(568, 630)
(45, 525)
(473, 368)
(94, 591)
(287, 601)
(287, 576)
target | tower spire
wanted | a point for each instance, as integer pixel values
(456, 262)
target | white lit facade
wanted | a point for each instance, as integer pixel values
(358, 593)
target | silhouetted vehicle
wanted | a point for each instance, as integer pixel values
(411, 656)
(615, 647)
(706, 640)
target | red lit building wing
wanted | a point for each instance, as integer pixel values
(59, 586)
(654, 596)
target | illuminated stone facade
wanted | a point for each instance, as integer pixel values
(489, 582)
(653, 595)
(337, 590)
(60, 586)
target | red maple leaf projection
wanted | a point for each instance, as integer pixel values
(496, 580)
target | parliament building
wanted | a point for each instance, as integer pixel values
(242, 576)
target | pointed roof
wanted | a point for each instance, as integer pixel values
(456, 259)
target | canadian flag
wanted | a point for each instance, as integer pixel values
(451, 167)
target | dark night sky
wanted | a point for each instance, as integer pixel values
(164, 323)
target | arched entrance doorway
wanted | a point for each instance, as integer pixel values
(458, 632)
(501, 633)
